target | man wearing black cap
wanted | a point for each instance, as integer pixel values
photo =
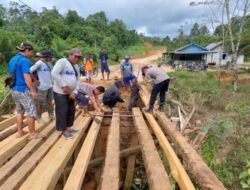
(44, 85)
(160, 81)
(66, 76)
(23, 91)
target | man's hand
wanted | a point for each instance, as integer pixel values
(72, 96)
(101, 113)
(66, 89)
(34, 95)
(37, 82)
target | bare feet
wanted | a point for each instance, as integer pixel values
(37, 136)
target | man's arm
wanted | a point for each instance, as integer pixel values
(28, 82)
(34, 68)
(95, 104)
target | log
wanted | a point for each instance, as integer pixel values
(156, 174)
(180, 105)
(46, 174)
(111, 171)
(192, 160)
(79, 169)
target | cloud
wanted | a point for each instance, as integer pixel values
(154, 18)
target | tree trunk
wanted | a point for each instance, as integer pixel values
(235, 70)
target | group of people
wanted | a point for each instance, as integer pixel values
(38, 85)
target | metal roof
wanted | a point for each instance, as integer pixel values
(191, 49)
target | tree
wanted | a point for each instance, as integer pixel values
(236, 40)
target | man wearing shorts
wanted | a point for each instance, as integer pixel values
(88, 64)
(127, 70)
(44, 85)
(23, 91)
(104, 63)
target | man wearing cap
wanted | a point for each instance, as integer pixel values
(44, 85)
(66, 76)
(23, 91)
(104, 63)
(126, 68)
(112, 95)
(160, 81)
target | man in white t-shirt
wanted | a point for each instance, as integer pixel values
(66, 76)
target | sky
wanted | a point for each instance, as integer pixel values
(157, 18)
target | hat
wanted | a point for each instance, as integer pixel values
(126, 56)
(23, 46)
(76, 52)
(89, 53)
(47, 53)
(38, 54)
(118, 84)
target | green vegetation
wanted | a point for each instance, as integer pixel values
(225, 118)
(59, 33)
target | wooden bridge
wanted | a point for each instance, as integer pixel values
(57, 163)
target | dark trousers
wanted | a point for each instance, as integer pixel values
(110, 102)
(65, 111)
(132, 102)
(161, 88)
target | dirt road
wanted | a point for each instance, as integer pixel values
(137, 64)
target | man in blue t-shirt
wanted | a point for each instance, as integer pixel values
(23, 91)
(104, 63)
(126, 68)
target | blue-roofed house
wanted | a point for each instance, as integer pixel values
(190, 54)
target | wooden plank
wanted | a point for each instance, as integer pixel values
(13, 146)
(156, 174)
(203, 175)
(79, 169)
(130, 164)
(47, 173)
(15, 162)
(111, 171)
(177, 170)
(9, 131)
(15, 180)
(7, 122)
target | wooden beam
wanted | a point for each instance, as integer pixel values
(14, 163)
(157, 176)
(111, 171)
(177, 170)
(15, 180)
(7, 122)
(9, 131)
(130, 164)
(79, 169)
(192, 160)
(47, 173)
(11, 145)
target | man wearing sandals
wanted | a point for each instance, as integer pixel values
(66, 76)
(23, 91)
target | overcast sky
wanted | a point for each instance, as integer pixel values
(151, 17)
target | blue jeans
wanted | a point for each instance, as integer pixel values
(127, 79)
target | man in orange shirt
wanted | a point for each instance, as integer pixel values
(88, 64)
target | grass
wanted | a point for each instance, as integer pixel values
(225, 116)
